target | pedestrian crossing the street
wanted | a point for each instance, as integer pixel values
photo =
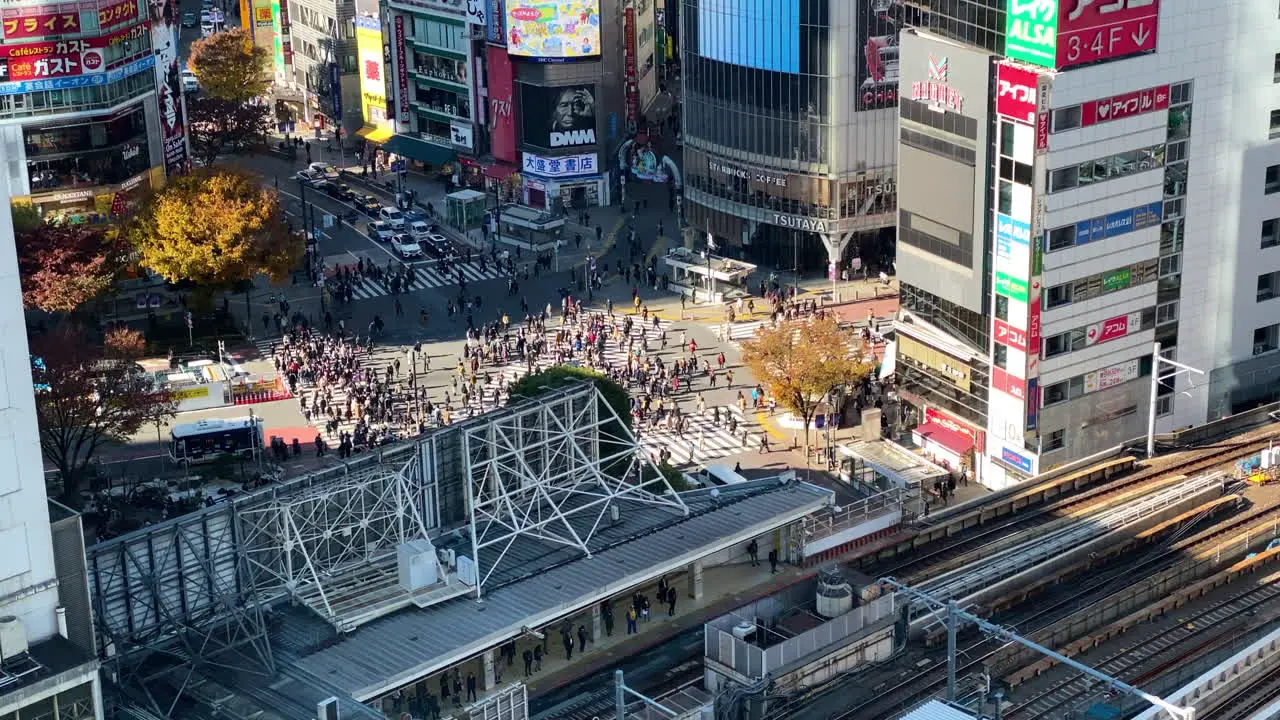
(427, 277)
(702, 442)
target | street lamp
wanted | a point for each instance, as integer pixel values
(1178, 368)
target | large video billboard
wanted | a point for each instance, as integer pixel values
(173, 109)
(877, 50)
(558, 117)
(762, 34)
(553, 30)
(373, 78)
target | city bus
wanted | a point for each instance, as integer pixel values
(205, 440)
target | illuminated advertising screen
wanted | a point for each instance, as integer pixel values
(373, 79)
(879, 22)
(553, 30)
(173, 109)
(763, 34)
(558, 117)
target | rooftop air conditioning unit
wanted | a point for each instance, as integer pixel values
(744, 629)
(416, 565)
(835, 594)
(13, 637)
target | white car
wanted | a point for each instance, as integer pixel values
(325, 170)
(419, 229)
(406, 246)
(189, 82)
(306, 177)
(380, 231)
(392, 217)
(436, 237)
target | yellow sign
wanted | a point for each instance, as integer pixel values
(190, 393)
(262, 14)
(373, 74)
(957, 371)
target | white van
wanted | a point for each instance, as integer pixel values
(715, 476)
(392, 217)
(419, 229)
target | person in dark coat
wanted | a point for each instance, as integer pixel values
(537, 658)
(471, 687)
(671, 602)
(568, 647)
(528, 662)
(753, 552)
(582, 638)
(773, 561)
(444, 688)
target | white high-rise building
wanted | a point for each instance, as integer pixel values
(48, 668)
(1124, 159)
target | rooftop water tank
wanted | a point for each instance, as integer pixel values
(835, 594)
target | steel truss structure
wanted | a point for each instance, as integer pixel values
(551, 470)
(172, 601)
(305, 543)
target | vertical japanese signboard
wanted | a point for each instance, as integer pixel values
(173, 109)
(631, 75)
(402, 73)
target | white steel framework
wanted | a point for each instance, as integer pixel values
(304, 542)
(551, 470)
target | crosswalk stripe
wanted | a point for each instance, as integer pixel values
(426, 279)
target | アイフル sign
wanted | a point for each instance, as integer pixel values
(1016, 93)
(1093, 30)
(1123, 106)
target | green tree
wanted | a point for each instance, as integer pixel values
(215, 227)
(230, 66)
(799, 362)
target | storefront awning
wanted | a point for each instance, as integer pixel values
(419, 150)
(500, 171)
(957, 443)
(377, 135)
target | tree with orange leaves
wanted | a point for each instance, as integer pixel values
(799, 362)
(215, 227)
(230, 66)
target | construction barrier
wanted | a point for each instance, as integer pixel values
(260, 389)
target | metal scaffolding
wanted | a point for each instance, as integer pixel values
(553, 470)
(305, 542)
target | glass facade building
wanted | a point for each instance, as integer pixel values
(789, 126)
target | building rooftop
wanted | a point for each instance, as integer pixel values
(553, 582)
(937, 710)
(45, 661)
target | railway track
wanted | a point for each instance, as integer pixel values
(1260, 693)
(1201, 633)
(975, 546)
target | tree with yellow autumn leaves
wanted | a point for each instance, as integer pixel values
(799, 362)
(230, 66)
(215, 227)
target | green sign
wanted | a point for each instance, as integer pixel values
(276, 33)
(1011, 287)
(1115, 280)
(1037, 257)
(1031, 31)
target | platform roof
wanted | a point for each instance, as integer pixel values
(415, 643)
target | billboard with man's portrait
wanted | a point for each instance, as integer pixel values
(558, 117)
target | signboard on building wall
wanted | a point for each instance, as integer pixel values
(1123, 106)
(1111, 376)
(1031, 31)
(878, 26)
(173, 109)
(561, 165)
(942, 419)
(63, 58)
(936, 91)
(1113, 328)
(953, 369)
(495, 30)
(373, 79)
(402, 73)
(1011, 287)
(1008, 383)
(1093, 30)
(1007, 334)
(553, 31)
(263, 20)
(117, 14)
(38, 22)
(502, 123)
(1016, 93)
(1119, 223)
(631, 75)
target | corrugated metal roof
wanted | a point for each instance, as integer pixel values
(937, 710)
(413, 643)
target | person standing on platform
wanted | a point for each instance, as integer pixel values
(444, 687)
(773, 562)
(631, 619)
(537, 658)
(568, 647)
(607, 612)
(528, 662)
(471, 687)
(671, 602)
(753, 552)
(582, 638)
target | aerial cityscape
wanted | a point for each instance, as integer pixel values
(640, 360)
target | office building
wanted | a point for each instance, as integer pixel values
(91, 108)
(1103, 220)
(788, 126)
(48, 666)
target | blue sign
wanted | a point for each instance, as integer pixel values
(1011, 230)
(78, 81)
(495, 31)
(1119, 223)
(1017, 460)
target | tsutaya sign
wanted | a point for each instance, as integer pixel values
(794, 222)
(935, 91)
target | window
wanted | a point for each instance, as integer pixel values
(1062, 238)
(1065, 178)
(1006, 198)
(1000, 358)
(1180, 94)
(1167, 313)
(1170, 265)
(1055, 440)
(1267, 285)
(1006, 139)
(1271, 184)
(1107, 168)
(1061, 392)
(1066, 119)
(1002, 308)
(1057, 296)
(1275, 72)
(1275, 125)
(1177, 152)
(1164, 405)
(1055, 345)
(1270, 233)
(1266, 339)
